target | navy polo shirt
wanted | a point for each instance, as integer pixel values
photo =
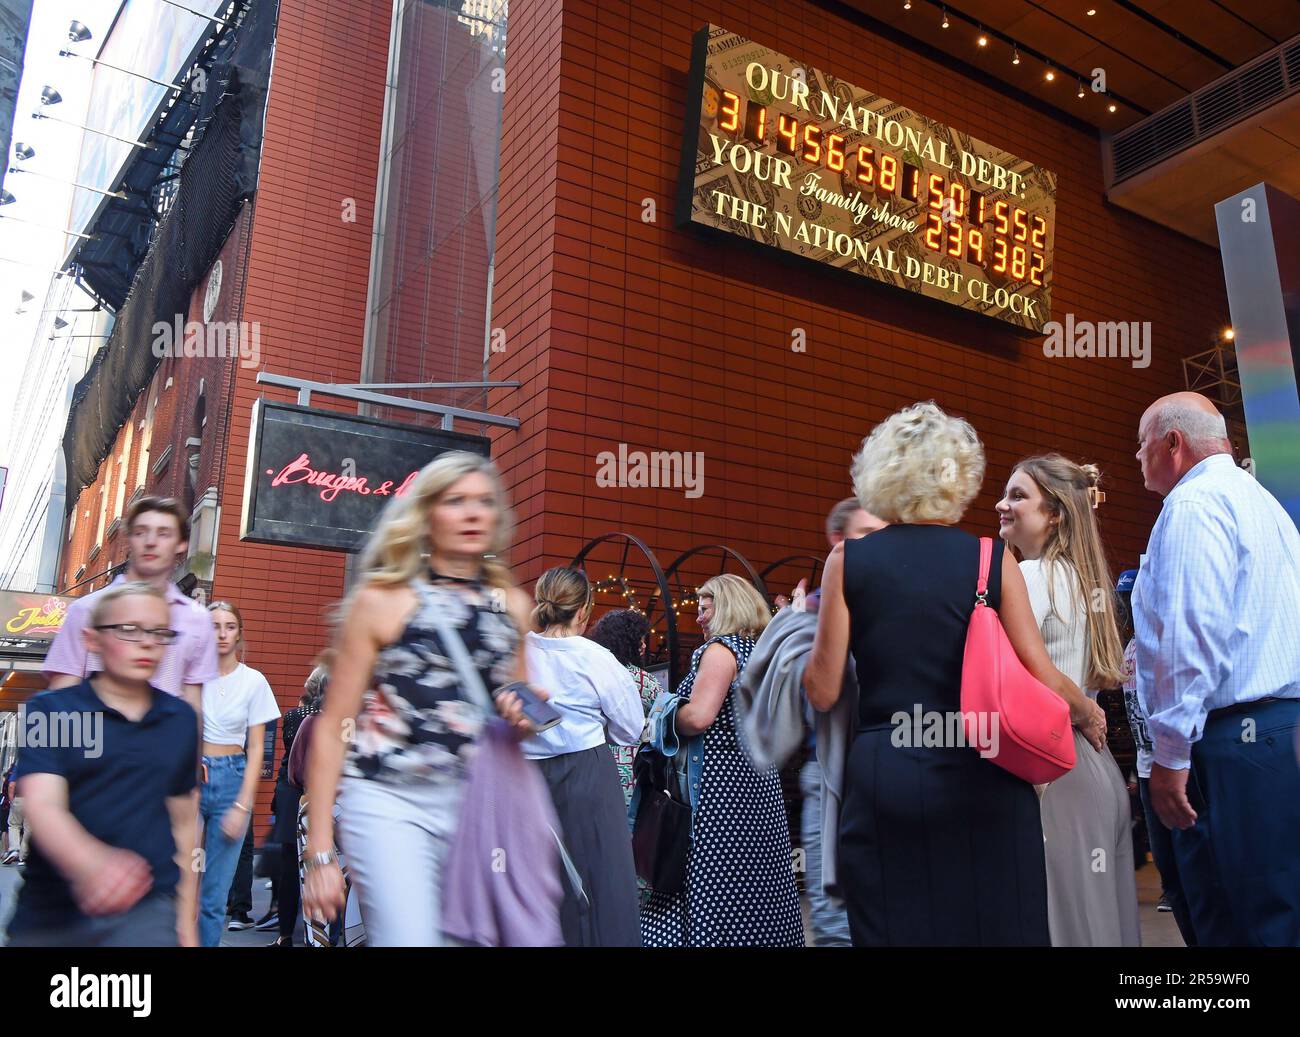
(119, 772)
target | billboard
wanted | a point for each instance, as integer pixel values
(148, 38)
(794, 158)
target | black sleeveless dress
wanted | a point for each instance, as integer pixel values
(938, 846)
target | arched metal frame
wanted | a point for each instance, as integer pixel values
(665, 592)
(817, 564)
(753, 574)
(754, 577)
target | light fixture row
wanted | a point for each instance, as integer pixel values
(982, 41)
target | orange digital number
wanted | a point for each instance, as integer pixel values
(888, 172)
(1038, 236)
(1020, 217)
(835, 152)
(999, 255)
(866, 171)
(1036, 266)
(787, 129)
(957, 195)
(1000, 223)
(1018, 260)
(934, 187)
(812, 141)
(975, 246)
(954, 248)
(729, 112)
(934, 232)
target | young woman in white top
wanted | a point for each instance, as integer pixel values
(237, 706)
(598, 700)
(1047, 515)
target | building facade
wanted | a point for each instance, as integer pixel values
(436, 204)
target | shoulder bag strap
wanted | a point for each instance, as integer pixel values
(454, 645)
(982, 585)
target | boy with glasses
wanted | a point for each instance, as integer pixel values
(110, 793)
(159, 532)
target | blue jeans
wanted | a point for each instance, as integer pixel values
(1162, 851)
(830, 923)
(220, 854)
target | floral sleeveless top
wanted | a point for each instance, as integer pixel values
(415, 722)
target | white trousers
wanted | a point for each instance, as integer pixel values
(395, 838)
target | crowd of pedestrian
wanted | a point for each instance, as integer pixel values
(471, 765)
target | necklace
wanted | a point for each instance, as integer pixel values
(470, 581)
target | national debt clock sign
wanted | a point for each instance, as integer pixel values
(318, 478)
(789, 156)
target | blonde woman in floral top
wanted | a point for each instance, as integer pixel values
(624, 633)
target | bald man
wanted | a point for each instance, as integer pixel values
(1215, 611)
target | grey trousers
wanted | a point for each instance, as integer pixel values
(395, 838)
(150, 923)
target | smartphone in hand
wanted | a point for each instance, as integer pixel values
(542, 715)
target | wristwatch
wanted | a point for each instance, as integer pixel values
(320, 860)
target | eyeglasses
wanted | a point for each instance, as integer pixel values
(135, 634)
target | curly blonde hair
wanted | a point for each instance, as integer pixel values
(397, 550)
(919, 465)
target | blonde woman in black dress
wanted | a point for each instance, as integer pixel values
(939, 846)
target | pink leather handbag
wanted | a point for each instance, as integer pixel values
(1034, 738)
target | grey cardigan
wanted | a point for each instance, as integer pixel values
(771, 700)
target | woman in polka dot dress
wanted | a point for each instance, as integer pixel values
(740, 889)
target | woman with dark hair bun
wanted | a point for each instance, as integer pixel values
(624, 633)
(597, 701)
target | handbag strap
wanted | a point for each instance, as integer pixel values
(454, 645)
(982, 584)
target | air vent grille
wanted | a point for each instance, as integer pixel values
(1214, 107)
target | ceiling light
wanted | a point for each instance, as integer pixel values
(6, 198)
(1081, 90)
(1049, 75)
(907, 5)
(1229, 334)
(1015, 55)
(1091, 11)
(983, 41)
(1111, 108)
(50, 96)
(78, 33)
(945, 19)
(60, 323)
(24, 151)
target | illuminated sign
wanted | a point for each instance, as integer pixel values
(786, 155)
(28, 622)
(318, 478)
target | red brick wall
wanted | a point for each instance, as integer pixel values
(647, 334)
(306, 287)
